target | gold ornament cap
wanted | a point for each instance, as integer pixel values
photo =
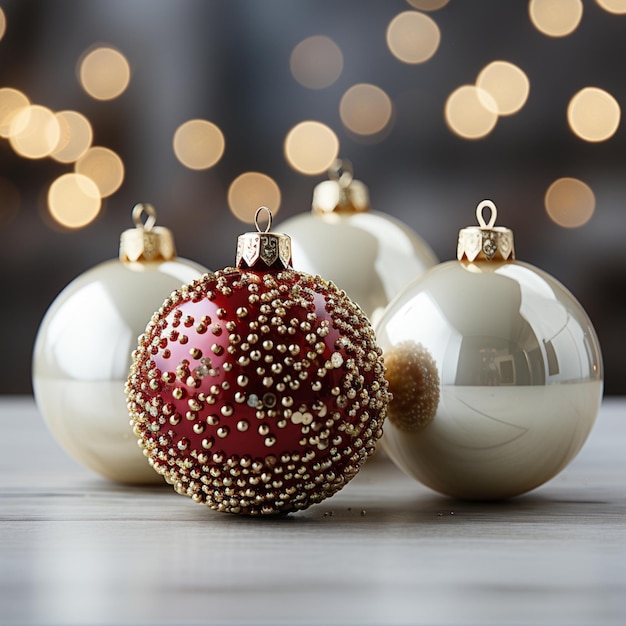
(146, 242)
(485, 242)
(263, 250)
(342, 193)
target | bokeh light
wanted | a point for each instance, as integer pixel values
(593, 114)
(3, 23)
(251, 190)
(466, 114)
(316, 62)
(75, 138)
(104, 167)
(413, 37)
(365, 109)
(311, 147)
(617, 7)
(9, 201)
(34, 132)
(555, 18)
(198, 144)
(428, 5)
(570, 202)
(74, 200)
(507, 85)
(104, 73)
(12, 102)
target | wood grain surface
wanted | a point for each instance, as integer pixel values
(77, 549)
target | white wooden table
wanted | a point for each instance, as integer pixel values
(76, 549)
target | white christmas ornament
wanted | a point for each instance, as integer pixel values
(83, 348)
(370, 255)
(495, 370)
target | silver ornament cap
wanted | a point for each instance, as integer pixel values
(146, 242)
(263, 250)
(485, 242)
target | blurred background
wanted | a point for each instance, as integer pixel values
(208, 109)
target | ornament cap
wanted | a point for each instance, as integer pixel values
(263, 250)
(146, 242)
(341, 193)
(485, 242)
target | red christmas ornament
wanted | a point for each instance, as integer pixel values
(258, 389)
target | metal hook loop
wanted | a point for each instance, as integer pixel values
(269, 219)
(479, 214)
(141, 209)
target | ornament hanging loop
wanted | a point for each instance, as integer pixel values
(141, 209)
(257, 215)
(485, 242)
(146, 242)
(486, 204)
(341, 171)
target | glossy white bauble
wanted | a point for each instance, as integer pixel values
(370, 255)
(82, 357)
(496, 373)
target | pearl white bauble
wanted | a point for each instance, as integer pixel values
(82, 356)
(496, 373)
(368, 254)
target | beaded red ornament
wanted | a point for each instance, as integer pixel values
(258, 389)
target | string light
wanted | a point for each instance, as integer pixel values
(365, 109)
(251, 190)
(74, 200)
(311, 147)
(428, 5)
(593, 114)
(75, 137)
(198, 144)
(3, 23)
(316, 62)
(555, 18)
(617, 7)
(104, 167)
(507, 85)
(34, 132)
(12, 101)
(466, 114)
(104, 73)
(413, 37)
(570, 202)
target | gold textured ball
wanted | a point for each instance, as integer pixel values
(414, 385)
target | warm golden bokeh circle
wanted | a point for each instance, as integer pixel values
(12, 101)
(507, 85)
(555, 18)
(75, 139)
(593, 114)
(104, 73)
(251, 190)
(617, 7)
(198, 144)
(570, 202)
(34, 132)
(74, 200)
(466, 114)
(104, 167)
(413, 37)
(428, 5)
(311, 147)
(316, 62)
(365, 109)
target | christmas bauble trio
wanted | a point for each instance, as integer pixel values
(260, 389)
